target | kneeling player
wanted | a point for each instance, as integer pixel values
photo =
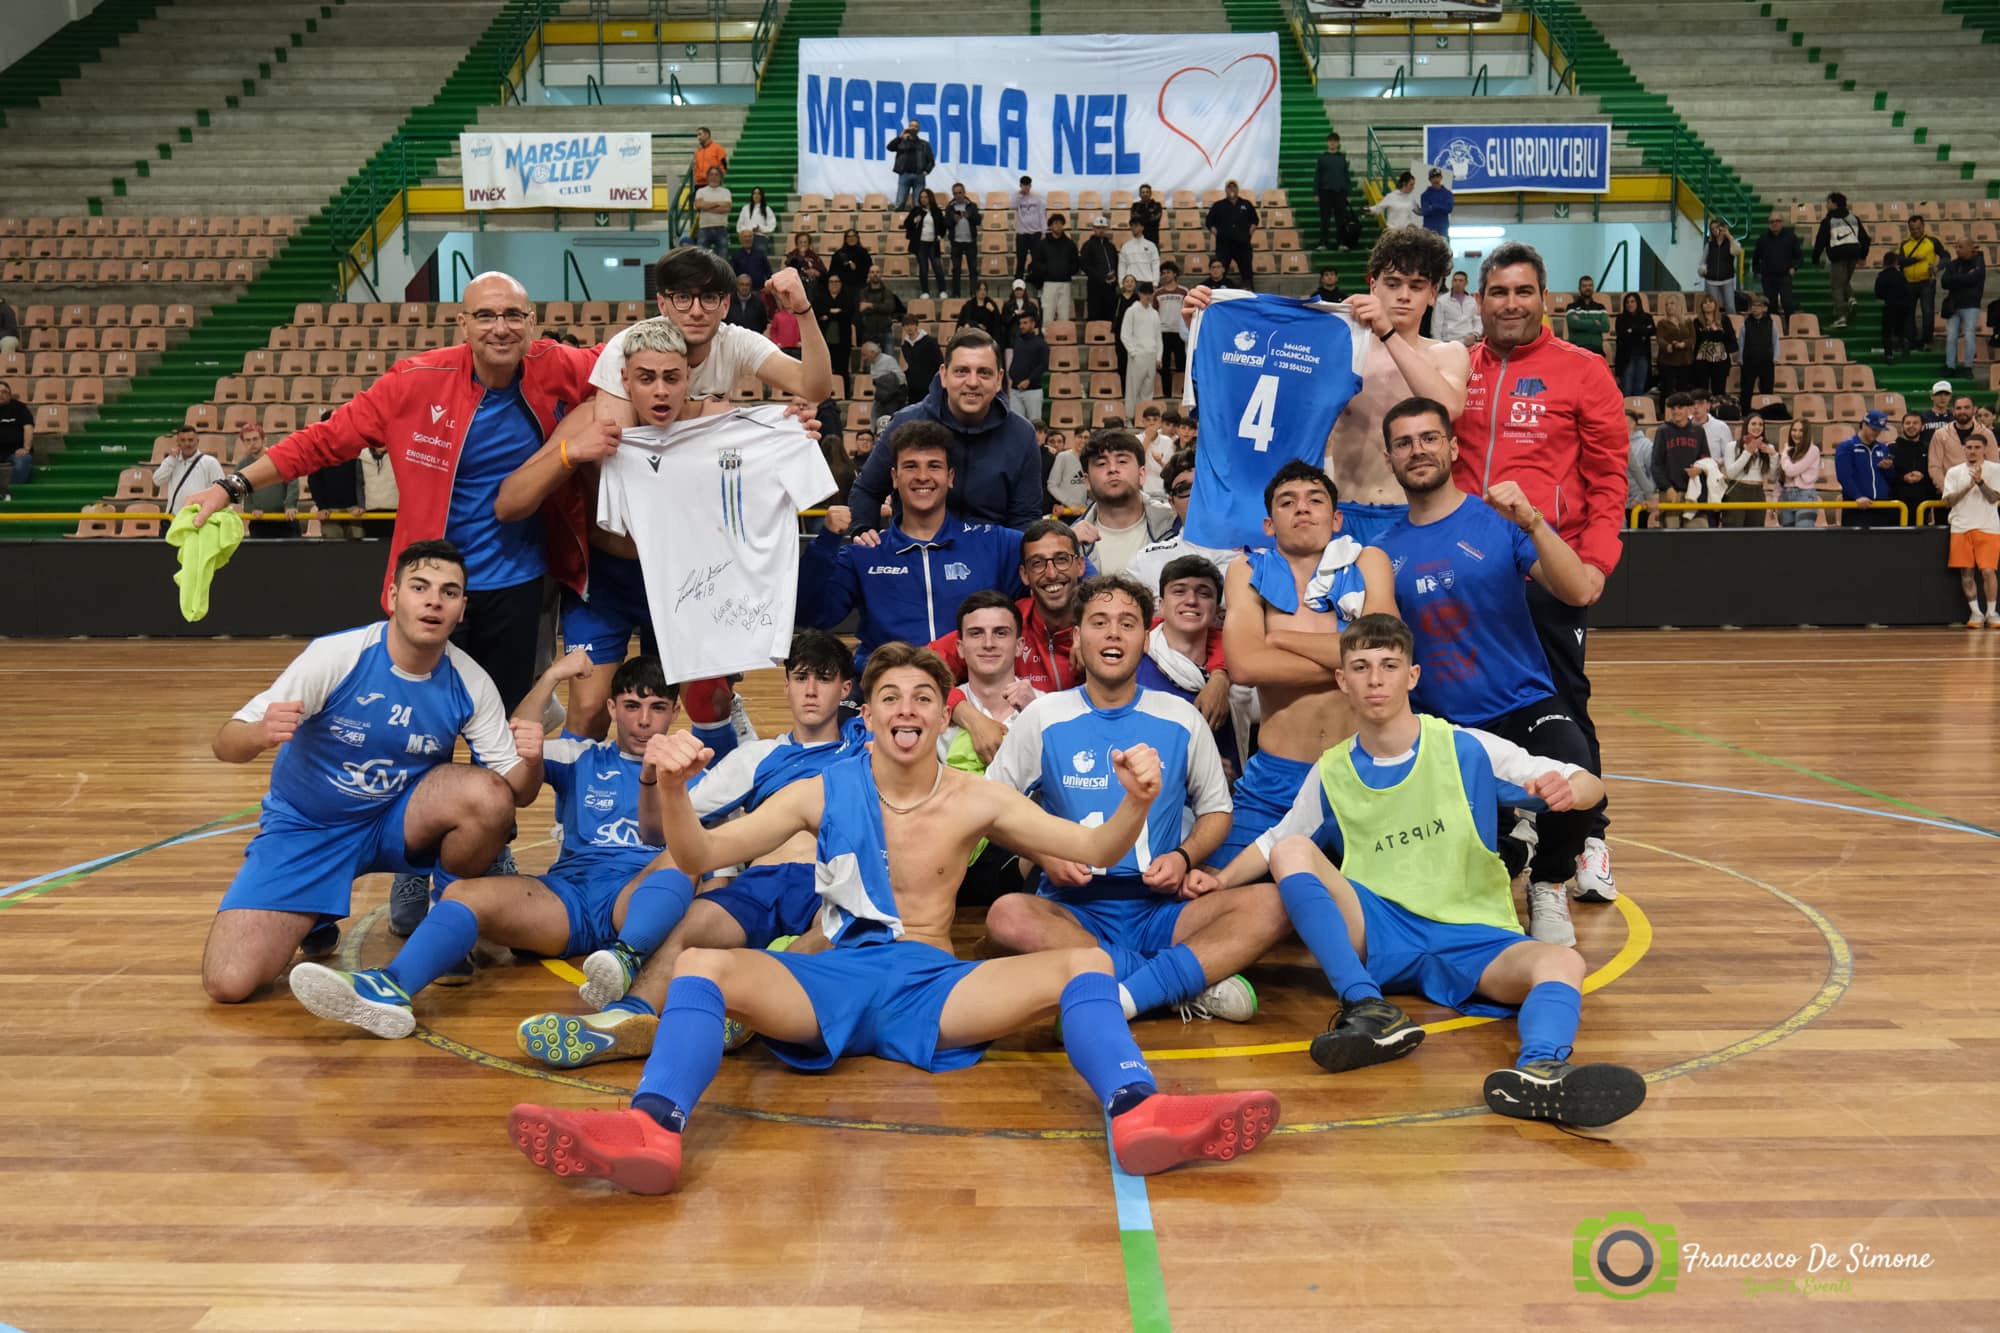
(895, 828)
(1422, 902)
(365, 723)
(595, 893)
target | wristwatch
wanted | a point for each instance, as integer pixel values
(238, 486)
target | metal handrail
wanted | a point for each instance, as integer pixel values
(1305, 30)
(763, 41)
(524, 25)
(458, 260)
(1481, 85)
(1396, 88)
(570, 265)
(593, 91)
(1621, 255)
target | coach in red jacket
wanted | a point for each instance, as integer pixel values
(456, 422)
(1547, 415)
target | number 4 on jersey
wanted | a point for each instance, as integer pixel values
(1260, 414)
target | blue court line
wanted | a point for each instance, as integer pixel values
(1950, 825)
(1145, 1280)
(85, 867)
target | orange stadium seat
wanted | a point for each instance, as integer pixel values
(96, 527)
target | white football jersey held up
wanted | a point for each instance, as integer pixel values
(712, 505)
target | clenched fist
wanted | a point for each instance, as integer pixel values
(1138, 769)
(676, 757)
(527, 738)
(281, 721)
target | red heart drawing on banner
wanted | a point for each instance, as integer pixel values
(1269, 88)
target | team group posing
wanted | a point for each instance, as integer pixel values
(1412, 650)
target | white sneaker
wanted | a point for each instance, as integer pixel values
(1593, 874)
(1993, 618)
(1548, 915)
(1230, 998)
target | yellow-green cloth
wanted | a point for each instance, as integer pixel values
(204, 550)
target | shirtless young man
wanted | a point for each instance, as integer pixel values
(1286, 605)
(895, 830)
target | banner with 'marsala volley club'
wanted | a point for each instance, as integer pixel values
(575, 170)
(1097, 113)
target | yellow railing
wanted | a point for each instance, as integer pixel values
(1697, 507)
(1927, 508)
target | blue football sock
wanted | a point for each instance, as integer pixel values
(1166, 978)
(654, 909)
(687, 1051)
(632, 1004)
(442, 939)
(1316, 917)
(1548, 1021)
(1100, 1044)
(717, 736)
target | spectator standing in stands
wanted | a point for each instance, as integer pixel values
(1128, 296)
(1865, 464)
(10, 328)
(17, 440)
(1632, 350)
(1436, 204)
(379, 493)
(834, 308)
(186, 472)
(757, 218)
(1911, 451)
(1065, 482)
(1971, 489)
(802, 256)
(924, 227)
(851, 263)
(1750, 466)
(1714, 347)
(1056, 263)
(1099, 257)
(1329, 289)
(1964, 281)
(1678, 446)
(1139, 335)
(1139, 258)
(1950, 439)
(1120, 521)
(1146, 212)
(981, 311)
(748, 262)
(1940, 410)
(1899, 305)
(1587, 323)
(337, 487)
(1399, 207)
(1169, 298)
(885, 377)
(996, 476)
(1675, 331)
(1028, 368)
(708, 155)
(1031, 218)
(279, 497)
(879, 311)
(1759, 350)
(913, 162)
(1715, 432)
(1843, 241)
(1921, 256)
(1018, 304)
(1230, 224)
(1640, 488)
(1775, 259)
(711, 213)
(1160, 447)
(1457, 314)
(1333, 185)
(1718, 265)
(961, 217)
(1798, 476)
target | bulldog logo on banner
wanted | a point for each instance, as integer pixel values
(576, 170)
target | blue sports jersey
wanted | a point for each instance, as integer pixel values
(597, 799)
(1058, 749)
(851, 859)
(1270, 375)
(371, 730)
(504, 435)
(756, 770)
(1461, 583)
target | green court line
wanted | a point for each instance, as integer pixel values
(1145, 1284)
(1787, 764)
(90, 868)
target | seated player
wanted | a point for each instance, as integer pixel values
(1188, 637)
(1421, 901)
(1168, 945)
(596, 891)
(766, 904)
(1462, 566)
(364, 723)
(894, 829)
(1287, 605)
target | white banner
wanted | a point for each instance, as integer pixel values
(1098, 113)
(586, 170)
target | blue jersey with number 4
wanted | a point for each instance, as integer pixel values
(1270, 375)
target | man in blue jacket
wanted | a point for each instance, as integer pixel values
(1865, 463)
(908, 584)
(996, 466)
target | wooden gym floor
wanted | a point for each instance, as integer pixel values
(1804, 961)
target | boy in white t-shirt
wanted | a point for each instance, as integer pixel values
(1971, 490)
(989, 636)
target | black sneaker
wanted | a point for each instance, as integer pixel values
(409, 904)
(1581, 1095)
(321, 941)
(1367, 1032)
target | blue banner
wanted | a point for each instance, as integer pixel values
(1563, 159)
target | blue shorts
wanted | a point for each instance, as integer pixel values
(1443, 963)
(1142, 924)
(769, 902)
(1263, 796)
(589, 902)
(294, 865)
(617, 606)
(883, 1000)
(1367, 524)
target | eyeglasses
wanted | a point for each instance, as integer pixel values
(1430, 439)
(1181, 490)
(486, 319)
(684, 301)
(1036, 564)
